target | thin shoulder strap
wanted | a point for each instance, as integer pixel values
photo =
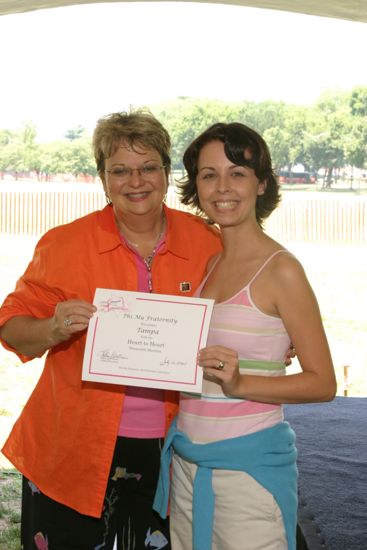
(266, 263)
(207, 275)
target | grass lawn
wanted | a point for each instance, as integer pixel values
(10, 492)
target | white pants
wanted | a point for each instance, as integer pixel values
(246, 515)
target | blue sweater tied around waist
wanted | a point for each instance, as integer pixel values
(269, 456)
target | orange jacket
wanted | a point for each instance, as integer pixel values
(65, 437)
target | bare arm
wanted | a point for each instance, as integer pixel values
(297, 306)
(33, 337)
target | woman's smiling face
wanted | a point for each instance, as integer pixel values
(227, 192)
(135, 180)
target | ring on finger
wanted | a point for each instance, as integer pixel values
(220, 365)
(67, 322)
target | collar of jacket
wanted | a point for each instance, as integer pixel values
(108, 237)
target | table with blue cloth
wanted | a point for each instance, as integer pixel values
(332, 462)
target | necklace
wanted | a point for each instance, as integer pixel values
(148, 260)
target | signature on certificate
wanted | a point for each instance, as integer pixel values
(109, 356)
(167, 362)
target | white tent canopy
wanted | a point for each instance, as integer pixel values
(354, 10)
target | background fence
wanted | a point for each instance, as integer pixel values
(301, 216)
(320, 217)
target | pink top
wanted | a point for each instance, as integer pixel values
(261, 341)
(143, 411)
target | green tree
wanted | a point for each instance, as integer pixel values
(75, 133)
(277, 142)
(326, 132)
(295, 131)
(78, 157)
(6, 138)
(326, 135)
(263, 116)
(31, 149)
(68, 157)
(355, 143)
(51, 156)
(19, 151)
(186, 118)
(11, 158)
(358, 101)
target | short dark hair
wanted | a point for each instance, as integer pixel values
(237, 139)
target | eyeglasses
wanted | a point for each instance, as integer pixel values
(124, 173)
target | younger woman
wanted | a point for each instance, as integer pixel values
(234, 482)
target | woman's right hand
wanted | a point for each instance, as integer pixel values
(32, 337)
(70, 317)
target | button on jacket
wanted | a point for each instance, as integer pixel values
(65, 437)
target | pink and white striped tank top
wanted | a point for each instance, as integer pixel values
(261, 341)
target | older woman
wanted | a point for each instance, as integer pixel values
(234, 464)
(89, 452)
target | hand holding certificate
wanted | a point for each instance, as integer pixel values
(146, 340)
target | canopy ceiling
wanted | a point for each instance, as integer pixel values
(354, 10)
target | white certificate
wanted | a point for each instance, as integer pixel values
(146, 340)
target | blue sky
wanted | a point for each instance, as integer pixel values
(69, 66)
